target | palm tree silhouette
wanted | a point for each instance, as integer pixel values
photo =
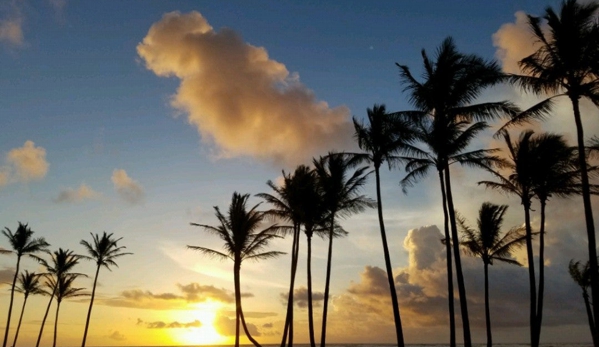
(22, 243)
(581, 275)
(565, 64)
(242, 240)
(29, 284)
(61, 263)
(62, 288)
(104, 251)
(340, 195)
(383, 139)
(444, 104)
(487, 243)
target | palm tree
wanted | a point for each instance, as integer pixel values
(383, 139)
(104, 251)
(62, 262)
(340, 195)
(242, 240)
(62, 288)
(565, 64)
(487, 243)
(445, 108)
(22, 243)
(580, 274)
(28, 285)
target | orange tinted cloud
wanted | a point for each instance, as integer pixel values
(129, 189)
(28, 163)
(70, 195)
(240, 100)
(514, 41)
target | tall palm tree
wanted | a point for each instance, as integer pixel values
(565, 64)
(288, 202)
(104, 251)
(242, 240)
(445, 100)
(382, 139)
(487, 243)
(61, 263)
(62, 288)
(341, 198)
(22, 243)
(580, 274)
(29, 284)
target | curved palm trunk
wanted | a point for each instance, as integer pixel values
(458, 261)
(91, 304)
(39, 337)
(310, 305)
(288, 330)
(12, 296)
(14, 343)
(323, 333)
(238, 310)
(531, 276)
(487, 310)
(540, 295)
(449, 265)
(56, 323)
(587, 305)
(246, 330)
(588, 212)
(394, 301)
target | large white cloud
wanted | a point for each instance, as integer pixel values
(239, 98)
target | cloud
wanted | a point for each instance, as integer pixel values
(26, 164)
(173, 325)
(300, 297)
(225, 326)
(70, 195)
(11, 24)
(129, 189)
(117, 336)
(238, 98)
(514, 42)
(6, 276)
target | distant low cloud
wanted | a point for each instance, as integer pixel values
(127, 188)
(117, 336)
(225, 326)
(172, 325)
(6, 276)
(300, 297)
(240, 99)
(70, 195)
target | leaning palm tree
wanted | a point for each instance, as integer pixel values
(445, 104)
(29, 284)
(62, 288)
(61, 263)
(22, 243)
(383, 139)
(487, 243)
(242, 240)
(104, 251)
(565, 64)
(341, 198)
(580, 274)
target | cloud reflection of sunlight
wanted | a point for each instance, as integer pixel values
(206, 334)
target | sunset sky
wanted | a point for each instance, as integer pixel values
(136, 118)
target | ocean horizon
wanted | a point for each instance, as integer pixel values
(581, 344)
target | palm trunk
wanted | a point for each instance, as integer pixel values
(458, 261)
(323, 333)
(394, 301)
(240, 310)
(310, 307)
(449, 265)
(541, 272)
(91, 304)
(12, 296)
(487, 310)
(236, 268)
(14, 343)
(588, 212)
(246, 330)
(531, 275)
(56, 323)
(39, 337)
(288, 330)
(589, 310)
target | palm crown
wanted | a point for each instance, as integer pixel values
(104, 250)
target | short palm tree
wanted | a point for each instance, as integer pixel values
(242, 241)
(384, 138)
(61, 263)
(104, 251)
(487, 243)
(62, 288)
(580, 274)
(22, 243)
(29, 284)
(445, 104)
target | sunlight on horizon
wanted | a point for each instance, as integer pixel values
(206, 334)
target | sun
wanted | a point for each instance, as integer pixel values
(206, 334)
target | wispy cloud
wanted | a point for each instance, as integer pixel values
(127, 188)
(70, 195)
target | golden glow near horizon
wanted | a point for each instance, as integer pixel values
(206, 334)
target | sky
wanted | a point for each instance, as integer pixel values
(136, 118)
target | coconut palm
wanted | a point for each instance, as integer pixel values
(580, 274)
(29, 284)
(22, 243)
(242, 240)
(62, 288)
(565, 64)
(61, 263)
(487, 243)
(104, 251)
(448, 120)
(341, 198)
(384, 138)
